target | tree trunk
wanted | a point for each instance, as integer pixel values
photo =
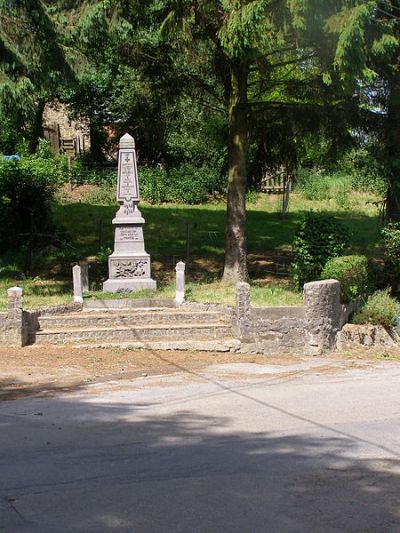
(37, 126)
(235, 267)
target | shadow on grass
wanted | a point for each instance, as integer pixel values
(166, 229)
(99, 464)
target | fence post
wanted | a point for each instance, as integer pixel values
(77, 284)
(180, 283)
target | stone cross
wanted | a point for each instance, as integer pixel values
(129, 264)
(180, 283)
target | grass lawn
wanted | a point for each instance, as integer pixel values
(175, 232)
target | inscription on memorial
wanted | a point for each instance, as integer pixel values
(129, 234)
(128, 188)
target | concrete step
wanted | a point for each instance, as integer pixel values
(129, 318)
(192, 331)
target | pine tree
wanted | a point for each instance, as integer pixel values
(254, 43)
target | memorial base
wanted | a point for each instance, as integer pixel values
(128, 285)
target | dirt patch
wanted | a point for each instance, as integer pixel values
(41, 371)
(45, 370)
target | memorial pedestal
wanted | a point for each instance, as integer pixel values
(129, 264)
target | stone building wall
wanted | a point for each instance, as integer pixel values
(64, 133)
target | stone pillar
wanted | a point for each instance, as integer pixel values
(323, 315)
(84, 275)
(129, 264)
(16, 333)
(180, 283)
(77, 283)
(243, 307)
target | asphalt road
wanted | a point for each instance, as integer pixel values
(235, 449)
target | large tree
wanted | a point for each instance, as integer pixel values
(34, 65)
(256, 47)
(368, 60)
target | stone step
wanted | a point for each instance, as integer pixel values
(217, 345)
(194, 331)
(134, 318)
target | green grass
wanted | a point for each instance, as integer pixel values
(167, 226)
(37, 293)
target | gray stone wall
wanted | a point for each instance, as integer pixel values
(275, 330)
(310, 329)
(13, 329)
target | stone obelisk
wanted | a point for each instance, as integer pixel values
(129, 264)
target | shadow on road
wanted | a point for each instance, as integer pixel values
(72, 464)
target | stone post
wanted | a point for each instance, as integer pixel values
(180, 283)
(77, 283)
(84, 275)
(243, 307)
(16, 331)
(323, 315)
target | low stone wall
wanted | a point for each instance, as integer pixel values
(311, 329)
(274, 330)
(18, 327)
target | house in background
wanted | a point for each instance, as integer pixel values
(71, 136)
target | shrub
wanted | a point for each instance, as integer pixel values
(380, 309)
(153, 185)
(27, 187)
(352, 272)
(192, 185)
(185, 184)
(313, 184)
(318, 238)
(367, 168)
(391, 240)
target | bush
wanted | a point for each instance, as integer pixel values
(391, 240)
(380, 309)
(185, 184)
(318, 238)
(352, 272)
(367, 168)
(192, 185)
(153, 185)
(27, 187)
(313, 184)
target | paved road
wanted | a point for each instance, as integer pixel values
(235, 449)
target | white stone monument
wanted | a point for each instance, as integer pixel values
(129, 264)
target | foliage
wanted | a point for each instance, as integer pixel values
(380, 309)
(318, 238)
(367, 167)
(190, 185)
(391, 240)
(186, 184)
(352, 272)
(313, 184)
(102, 261)
(26, 190)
